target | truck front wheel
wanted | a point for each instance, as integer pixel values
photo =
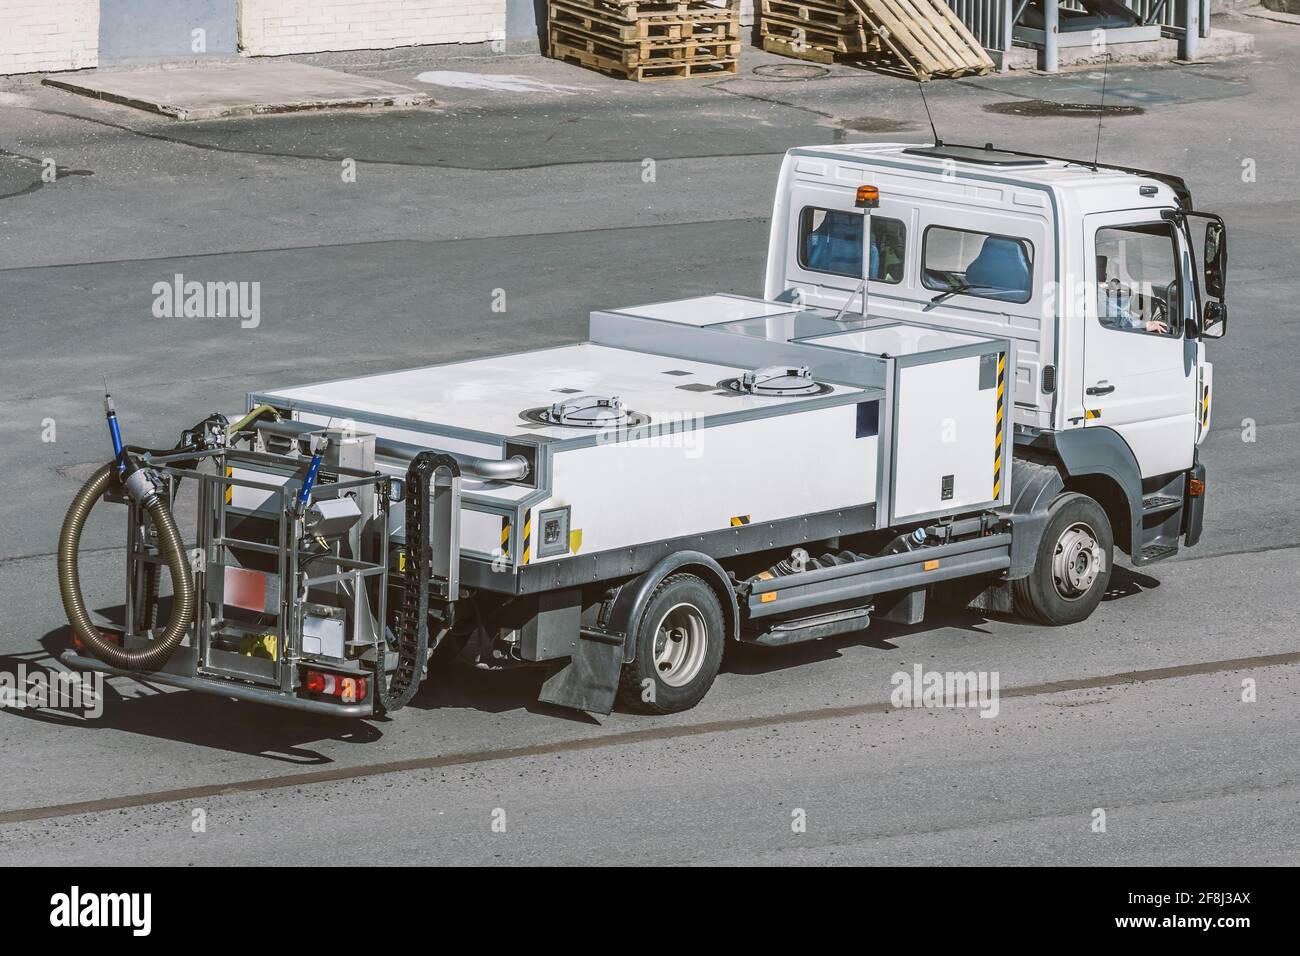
(678, 648)
(1072, 570)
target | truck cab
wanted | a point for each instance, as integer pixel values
(1090, 270)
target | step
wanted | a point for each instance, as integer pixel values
(813, 628)
(1155, 503)
(1158, 552)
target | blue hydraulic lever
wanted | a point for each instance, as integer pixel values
(305, 493)
(114, 430)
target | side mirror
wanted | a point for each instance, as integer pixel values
(1216, 259)
(1214, 320)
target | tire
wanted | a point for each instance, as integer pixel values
(1073, 564)
(679, 643)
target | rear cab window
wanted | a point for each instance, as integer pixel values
(830, 241)
(980, 264)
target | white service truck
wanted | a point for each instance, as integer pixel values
(972, 376)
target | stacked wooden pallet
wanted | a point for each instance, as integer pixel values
(819, 30)
(925, 37)
(646, 39)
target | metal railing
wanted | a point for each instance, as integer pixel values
(989, 20)
(992, 21)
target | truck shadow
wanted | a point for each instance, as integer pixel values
(1126, 582)
(138, 706)
(749, 659)
(453, 685)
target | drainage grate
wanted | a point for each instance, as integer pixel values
(790, 71)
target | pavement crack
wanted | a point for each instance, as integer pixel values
(720, 86)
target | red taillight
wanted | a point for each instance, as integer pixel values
(346, 687)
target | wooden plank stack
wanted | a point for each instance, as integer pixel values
(924, 37)
(646, 39)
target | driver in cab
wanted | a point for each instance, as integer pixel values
(1119, 307)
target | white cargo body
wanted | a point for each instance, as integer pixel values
(904, 422)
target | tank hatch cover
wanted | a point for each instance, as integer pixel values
(586, 411)
(778, 380)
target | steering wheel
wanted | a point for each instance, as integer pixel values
(1159, 310)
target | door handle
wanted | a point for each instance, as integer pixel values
(1100, 389)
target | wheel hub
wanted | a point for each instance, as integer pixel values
(680, 643)
(1077, 561)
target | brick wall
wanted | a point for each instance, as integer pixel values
(39, 35)
(273, 27)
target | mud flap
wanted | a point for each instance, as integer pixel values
(589, 679)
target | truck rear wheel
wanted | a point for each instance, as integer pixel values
(678, 648)
(1072, 569)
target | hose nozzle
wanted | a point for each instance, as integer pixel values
(143, 485)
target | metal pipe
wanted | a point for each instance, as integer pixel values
(866, 260)
(484, 469)
(1051, 30)
(1190, 41)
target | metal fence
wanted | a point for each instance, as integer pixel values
(991, 20)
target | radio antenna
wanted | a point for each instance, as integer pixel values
(926, 103)
(1101, 111)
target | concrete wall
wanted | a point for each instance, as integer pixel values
(276, 27)
(40, 35)
(143, 30)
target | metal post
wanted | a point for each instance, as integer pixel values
(1051, 28)
(445, 529)
(866, 258)
(1003, 33)
(1191, 38)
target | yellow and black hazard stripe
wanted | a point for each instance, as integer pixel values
(505, 535)
(528, 538)
(230, 489)
(1205, 405)
(997, 439)
(1091, 413)
(739, 520)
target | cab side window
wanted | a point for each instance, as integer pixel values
(830, 240)
(1137, 279)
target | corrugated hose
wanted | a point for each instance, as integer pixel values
(158, 652)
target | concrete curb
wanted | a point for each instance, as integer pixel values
(240, 88)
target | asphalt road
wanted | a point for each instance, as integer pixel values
(1137, 711)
